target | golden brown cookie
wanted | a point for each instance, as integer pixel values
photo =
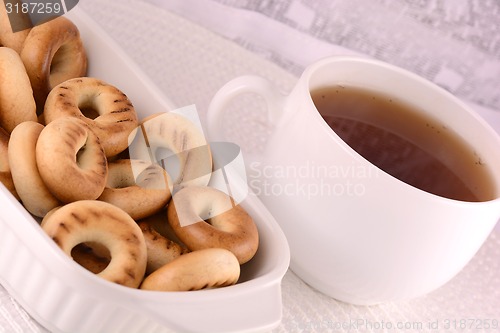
(53, 52)
(138, 187)
(16, 19)
(161, 250)
(106, 109)
(204, 217)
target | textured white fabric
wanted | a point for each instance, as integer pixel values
(189, 64)
(454, 43)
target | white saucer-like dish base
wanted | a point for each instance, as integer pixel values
(64, 297)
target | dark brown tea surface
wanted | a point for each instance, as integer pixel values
(405, 143)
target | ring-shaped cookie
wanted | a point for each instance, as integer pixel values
(5, 172)
(160, 224)
(35, 196)
(139, 188)
(204, 217)
(209, 268)
(71, 161)
(16, 97)
(105, 108)
(8, 37)
(184, 143)
(52, 53)
(103, 223)
(161, 250)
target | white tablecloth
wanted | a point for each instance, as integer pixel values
(190, 62)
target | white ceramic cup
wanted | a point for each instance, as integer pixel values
(381, 239)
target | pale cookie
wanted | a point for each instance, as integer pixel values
(16, 96)
(183, 143)
(71, 160)
(35, 196)
(103, 223)
(5, 172)
(209, 268)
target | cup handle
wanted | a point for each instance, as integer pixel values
(274, 99)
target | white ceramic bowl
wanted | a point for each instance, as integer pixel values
(64, 297)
